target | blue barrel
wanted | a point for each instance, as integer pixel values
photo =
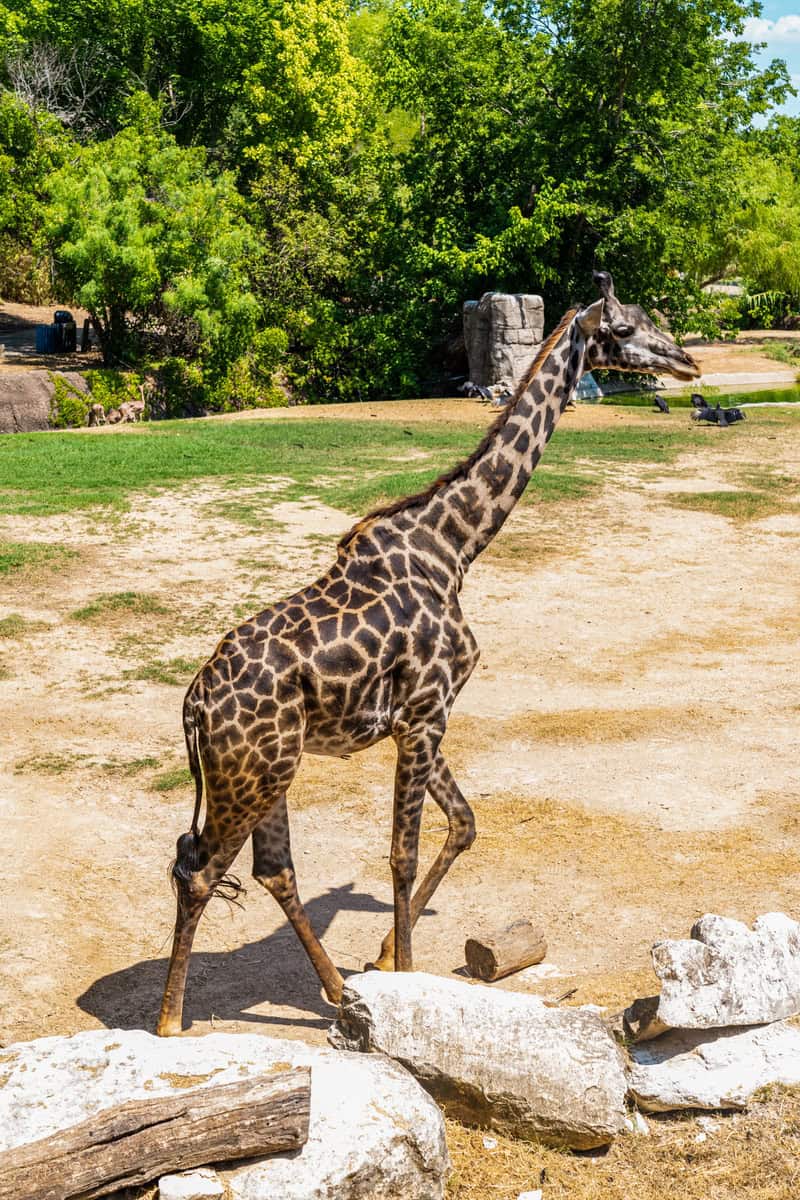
(45, 339)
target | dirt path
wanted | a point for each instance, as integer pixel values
(628, 740)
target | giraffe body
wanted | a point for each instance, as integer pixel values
(377, 647)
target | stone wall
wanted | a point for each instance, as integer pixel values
(502, 334)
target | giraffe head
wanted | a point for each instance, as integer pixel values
(622, 337)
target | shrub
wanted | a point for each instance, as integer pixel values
(69, 407)
(112, 388)
(177, 389)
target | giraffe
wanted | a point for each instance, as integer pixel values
(377, 647)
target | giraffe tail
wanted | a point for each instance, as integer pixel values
(187, 853)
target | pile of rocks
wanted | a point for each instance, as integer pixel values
(502, 1060)
(717, 1032)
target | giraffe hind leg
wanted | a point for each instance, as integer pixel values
(444, 790)
(273, 868)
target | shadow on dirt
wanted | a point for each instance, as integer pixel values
(226, 984)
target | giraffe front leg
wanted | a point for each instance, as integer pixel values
(195, 887)
(444, 790)
(415, 758)
(274, 870)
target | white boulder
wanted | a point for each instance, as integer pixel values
(373, 1132)
(202, 1184)
(713, 1069)
(725, 974)
(499, 1059)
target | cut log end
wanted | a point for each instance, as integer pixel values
(512, 949)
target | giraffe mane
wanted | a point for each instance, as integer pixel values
(461, 469)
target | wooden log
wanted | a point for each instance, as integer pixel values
(519, 945)
(134, 1143)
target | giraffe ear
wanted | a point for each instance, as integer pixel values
(589, 318)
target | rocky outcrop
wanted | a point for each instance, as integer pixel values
(719, 1069)
(725, 974)
(502, 334)
(499, 1059)
(26, 396)
(373, 1132)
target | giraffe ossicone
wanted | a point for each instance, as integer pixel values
(377, 647)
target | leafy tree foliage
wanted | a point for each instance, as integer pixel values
(315, 186)
(154, 248)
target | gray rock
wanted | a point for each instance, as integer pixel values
(26, 397)
(726, 974)
(713, 1069)
(374, 1132)
(499, 1059)
(502, 334)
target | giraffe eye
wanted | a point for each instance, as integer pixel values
(622, 330)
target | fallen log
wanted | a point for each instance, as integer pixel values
(512, 949)
(131, 1144)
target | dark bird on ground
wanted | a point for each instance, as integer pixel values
(719, 415)
(699, 401)
(661, 404)
(474, 390)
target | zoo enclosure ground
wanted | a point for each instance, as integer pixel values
(628, 740)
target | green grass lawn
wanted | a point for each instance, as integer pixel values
(346, 463)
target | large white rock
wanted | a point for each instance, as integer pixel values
(373, 1132)
(202, 1184)
(713, 1069)
(499, 1059)
(728, 974)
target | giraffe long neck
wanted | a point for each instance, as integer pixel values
(468, 511)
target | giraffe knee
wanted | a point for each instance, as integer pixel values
(280, 884)
(185, 871)
(463, 830)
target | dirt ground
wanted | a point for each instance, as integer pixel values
(629, 743)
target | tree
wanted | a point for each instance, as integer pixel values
(155, 249)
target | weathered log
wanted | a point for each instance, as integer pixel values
(131, 1144)
(518, 946)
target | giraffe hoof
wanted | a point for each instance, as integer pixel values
(169, 1028)
(380, 964)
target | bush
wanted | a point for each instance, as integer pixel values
(177, 389)
(69, 407)
(112, 388)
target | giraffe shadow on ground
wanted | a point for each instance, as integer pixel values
(226, 984)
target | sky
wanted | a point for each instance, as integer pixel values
(779, 27)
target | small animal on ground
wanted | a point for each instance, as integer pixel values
(97, 415)
(660, 403)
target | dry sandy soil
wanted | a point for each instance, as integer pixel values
(628, 741)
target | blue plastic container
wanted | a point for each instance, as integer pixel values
(45, 339)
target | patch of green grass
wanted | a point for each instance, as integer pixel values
(782, 352)
(351, 464)
(252, 512)
(177, 672)
(137, 604)
(739, 505)
(167, 781)
(125, 768)
(15, 625)
(17, 556)
(47, 764)
(46, 473)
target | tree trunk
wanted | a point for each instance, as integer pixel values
(133, 1143)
